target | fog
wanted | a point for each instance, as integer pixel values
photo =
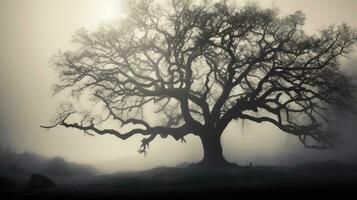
(32, 31)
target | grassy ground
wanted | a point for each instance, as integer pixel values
(320, 178)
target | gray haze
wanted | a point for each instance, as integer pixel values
(32, 31)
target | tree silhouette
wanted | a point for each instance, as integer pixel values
(199, 66)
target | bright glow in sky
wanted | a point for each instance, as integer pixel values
(106, 9)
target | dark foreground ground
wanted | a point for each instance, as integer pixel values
(317, 179)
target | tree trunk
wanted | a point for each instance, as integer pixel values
(212, 152)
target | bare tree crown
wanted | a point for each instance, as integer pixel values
(202, 65)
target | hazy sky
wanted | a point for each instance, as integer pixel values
(33, 30)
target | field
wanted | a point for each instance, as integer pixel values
(315, 178)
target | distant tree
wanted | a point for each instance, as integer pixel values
(200, 66)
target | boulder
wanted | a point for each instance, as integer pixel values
(37, 182)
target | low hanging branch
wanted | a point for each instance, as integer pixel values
(176, 133)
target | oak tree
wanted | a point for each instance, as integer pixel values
(200, 66)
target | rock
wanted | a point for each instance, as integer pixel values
(37, 182)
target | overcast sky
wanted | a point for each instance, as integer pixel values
(33, 30)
